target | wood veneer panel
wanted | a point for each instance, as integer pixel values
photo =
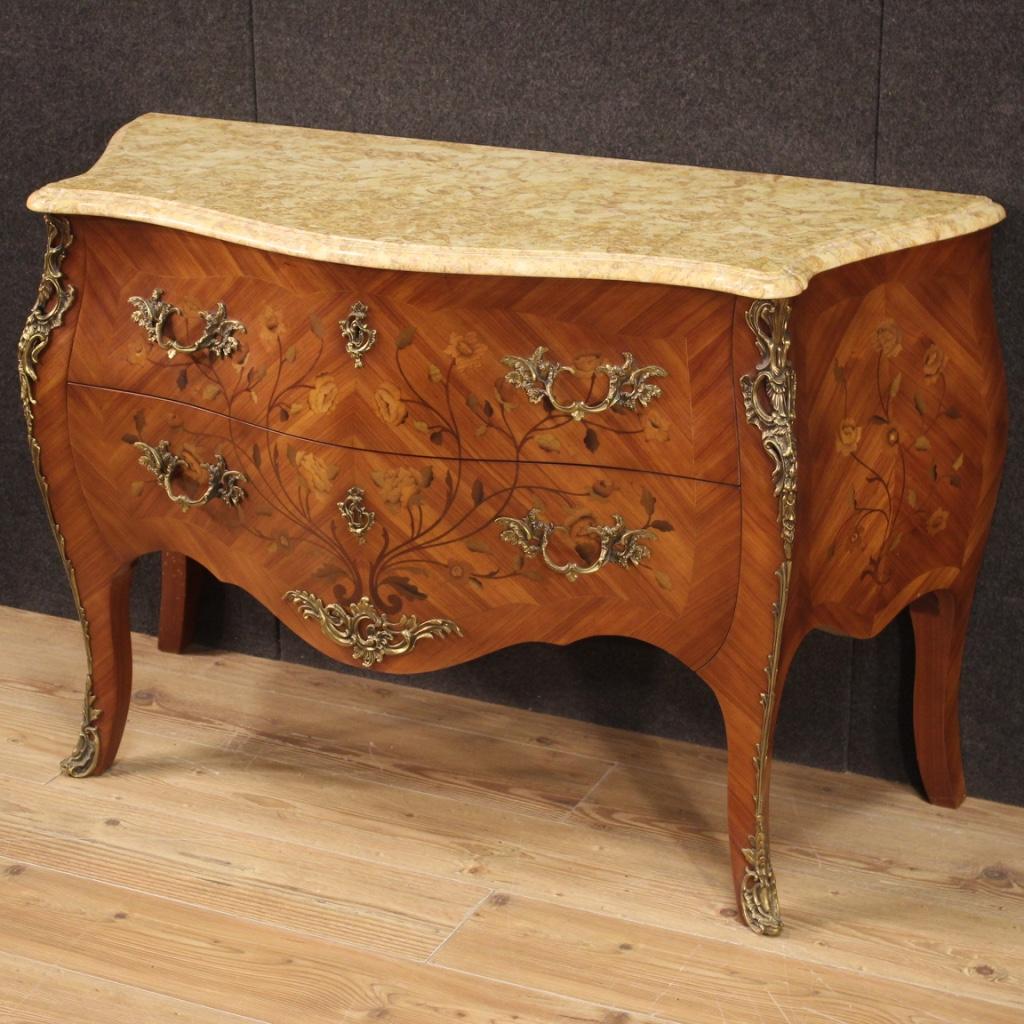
(433, 384)
(902, 429)
(435, 549)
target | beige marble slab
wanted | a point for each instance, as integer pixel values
(405, 204)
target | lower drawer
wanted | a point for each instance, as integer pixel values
(412, 563)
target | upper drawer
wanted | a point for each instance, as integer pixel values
(631, 375)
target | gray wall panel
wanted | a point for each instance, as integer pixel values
(753, 84)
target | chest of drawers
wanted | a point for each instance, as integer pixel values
(425, 401)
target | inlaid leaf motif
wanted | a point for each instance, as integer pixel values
(663, 525)
(257, 458)
(591, 441)
(405, 586)
(478, 492)
(404, 339)
(549, 443)
(648, 501)
(182, 380)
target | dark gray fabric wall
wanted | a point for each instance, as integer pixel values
(929, 94)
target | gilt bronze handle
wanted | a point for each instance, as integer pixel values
(359, 338)
(628, 384)
(222, 483)
(218, 337)
(619, 546)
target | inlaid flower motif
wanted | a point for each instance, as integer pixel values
(464, 349)
(937, 521)
(397, 486)
(656, 426)
(390, 407)
(315, 471)
(893, 436)
(889, 339)
(323, 395)
(460, 570)
(848, 437)
(602, 487)
(934, 363)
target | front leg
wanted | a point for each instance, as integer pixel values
(748, 671)
(99, 578)
(108, 686)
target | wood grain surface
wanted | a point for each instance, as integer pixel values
(276, 883)
(433, 384)
(434, 549)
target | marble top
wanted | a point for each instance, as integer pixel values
(406, 204)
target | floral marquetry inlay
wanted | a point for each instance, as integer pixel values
(900, 413)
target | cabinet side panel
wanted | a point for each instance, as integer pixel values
(903, 428)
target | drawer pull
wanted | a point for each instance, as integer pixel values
(223, 483)
(619, 546)
(628, 384)
(369, 633)
(218, 337)
(356, 514)
(359, 338)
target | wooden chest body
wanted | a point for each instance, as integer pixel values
(412, 468)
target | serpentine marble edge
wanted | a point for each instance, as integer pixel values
(446, 207)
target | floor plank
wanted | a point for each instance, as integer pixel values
(218, 961)
(260, 878)
(419, 856)
(679, 977)
(35, 993)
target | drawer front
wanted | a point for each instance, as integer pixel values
(508, 552)
(514, 369)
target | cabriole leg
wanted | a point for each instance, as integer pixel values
(99, 579)
(940, 630)
(108, 684)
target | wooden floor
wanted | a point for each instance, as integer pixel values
(283, 844)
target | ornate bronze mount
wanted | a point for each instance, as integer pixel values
(619, 546)
(356, 514)
(369, 633)
(53, 300)
(218, 337)
(628, 384)
(769, 398)
(222, 483)
(359, 338)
